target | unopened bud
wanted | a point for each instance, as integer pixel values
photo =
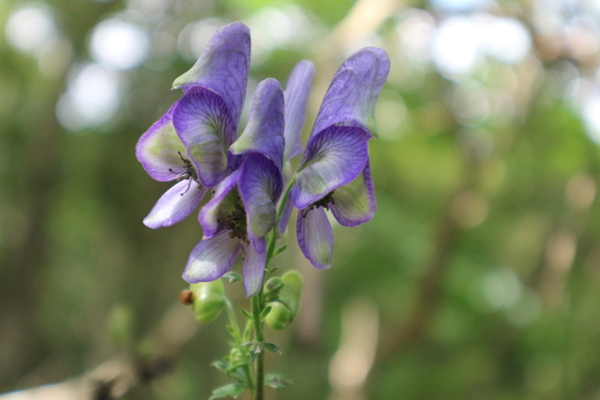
(286, 307)
(209, 300)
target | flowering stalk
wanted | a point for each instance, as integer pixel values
(197, 145)
(258, 302)
(237, 337)
(259, 335)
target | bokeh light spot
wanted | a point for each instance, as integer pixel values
(506, 39)
(92, 98)
(194, 37)
(501, 288)
(119, 44)
(456, 46)
(30, 27)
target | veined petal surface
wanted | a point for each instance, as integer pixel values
(354, 203)
(260, 185)
(211, 258)
(264, 130)
(223, 67)
(296, 97)
(353, 92)
(159, 149)
(331, 159)
(286, 213)
(315, 236)
(204, 126)
(253, 268)
(175, 204)
(284, 218)
(220, 206)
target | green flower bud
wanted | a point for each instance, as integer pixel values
(239, 357)
(292, 292)
(287, 305)
(279, 317)
(272, 288)
(209, 300)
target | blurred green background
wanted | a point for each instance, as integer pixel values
(478, 278)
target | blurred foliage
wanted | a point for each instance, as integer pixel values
(482, 265)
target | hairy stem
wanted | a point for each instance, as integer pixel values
(237, 337)
(260, 338)
(258, 303)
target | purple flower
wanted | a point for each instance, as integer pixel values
(242, 210)
(334, 172)
(189, 144)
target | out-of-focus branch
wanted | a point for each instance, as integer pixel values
(362, 21)
(399, 337)
(350, 366)
(117, 376)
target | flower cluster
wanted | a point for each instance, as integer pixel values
(196, 145)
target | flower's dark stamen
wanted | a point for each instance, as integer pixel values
(236, 223)
(189, 173)
(324, 202)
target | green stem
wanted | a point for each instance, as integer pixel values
(237, 337)
(233, 323)
(260, 338)
(257, 300)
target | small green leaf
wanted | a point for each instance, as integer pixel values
(264, 313)
(272, 347)
(239, 357)
(232, 331)
(255, 350)
(273, 286)
(232, 276)
(247, 314)
(271, 269)
(222, 365)
(280, 250)
(238, 375)
(276, 381)
(232, 390)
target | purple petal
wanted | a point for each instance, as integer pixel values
(286, 213)
(159, 147)
(332, 158)
(315, 236)
(253, 269)
(354, 203)
(176, 204)
(264, 131)
(205, 128)
(211, 258)
(223, 67)
(284, 218)
(296, 96)
(353, 92)
(220, 206)
(260, 185)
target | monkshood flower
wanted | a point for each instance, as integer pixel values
(242, 210)
(334, 172)
(189, 144)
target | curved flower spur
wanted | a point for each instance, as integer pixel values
(334, 172)
(195, 154)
